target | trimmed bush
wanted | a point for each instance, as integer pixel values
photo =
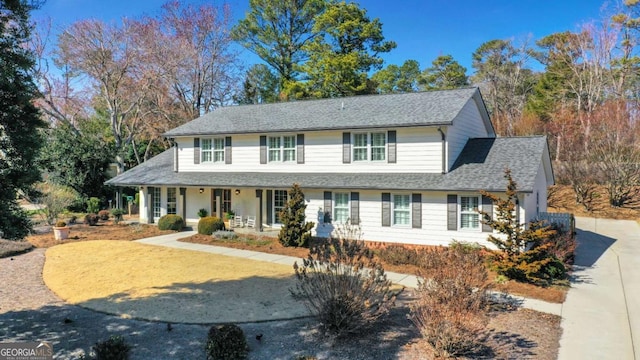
(115, 348)
(93, 205)
(398, 255)
(61, 224)
(209, 224)
(171, 222)
(451, 306)
(104, 215)
(226, 342)
(203, 213)
(91, 219)
(117, 215)
(343, 285)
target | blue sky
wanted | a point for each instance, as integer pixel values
(423, 29)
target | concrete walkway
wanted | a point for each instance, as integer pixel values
(410, 281)
(601, 316)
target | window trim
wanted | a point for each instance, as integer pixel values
(281, 149)
(369, 146)
(408, 210)
(469, 212)
(347, 207)
(212, 150)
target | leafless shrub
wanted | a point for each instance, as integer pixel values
(451, 306)
(342, 284)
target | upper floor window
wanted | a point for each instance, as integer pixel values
(401, 209)
(370, 146)
(212, 150)
(469, 216)
(282, 148)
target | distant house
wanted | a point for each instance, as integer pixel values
(406, 167)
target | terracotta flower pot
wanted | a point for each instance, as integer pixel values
(61, 233)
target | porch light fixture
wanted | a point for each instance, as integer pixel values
(237, 191)
(201, 190)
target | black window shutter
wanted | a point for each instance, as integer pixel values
(328, 210)
(346, 148)
(487, 207)
(416, 211)
(355, 208)
(386, 209)
(269, 207)
(391, 146)
(227, 150)
(183, 204)
(150, 204)
(196, 150)
(263, 149)
(452, 212)
(300, 150)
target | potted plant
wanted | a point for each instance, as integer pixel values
(228, 216)
(61, 230)
(203, 213)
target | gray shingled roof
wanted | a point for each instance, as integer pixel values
(373, 111)
(480, 166)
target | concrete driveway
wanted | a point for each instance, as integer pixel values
(601, 316)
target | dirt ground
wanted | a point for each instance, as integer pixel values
(562, 199)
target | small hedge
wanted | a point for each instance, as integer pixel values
(104, 215)
(210, 224)
(171, 222)
(91, 219)
(226, 342)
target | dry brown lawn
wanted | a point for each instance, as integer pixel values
(158, 283)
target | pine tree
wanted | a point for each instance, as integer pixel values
(295, 231)
(20, 121)
(514, 260)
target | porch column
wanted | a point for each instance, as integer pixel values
(183, 203)
(259, 212)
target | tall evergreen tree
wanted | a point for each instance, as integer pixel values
(295, 230)
(446, 73)
(20, 121)
(398, 79)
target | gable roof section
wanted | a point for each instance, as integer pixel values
(480, 166)
(430, 108)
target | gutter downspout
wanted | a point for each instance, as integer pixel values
(444, 151)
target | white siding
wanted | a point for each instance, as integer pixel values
(467, 124)
(434, 221)
(540, 189)
(417, 150)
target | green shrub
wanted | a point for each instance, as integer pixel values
(61, 224)
(93, 205)
(104, 215)
(226, 342)
(209, 224)
(398, 255)
(203, 213)
(343, 285)
(91, 219)
(117, 215)
(115, 348)
(171, 222)
(225, 234)
(451, 306)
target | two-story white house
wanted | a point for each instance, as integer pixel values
(407, 168)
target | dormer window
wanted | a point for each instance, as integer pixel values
(370, 146)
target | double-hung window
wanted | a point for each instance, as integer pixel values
(341, 208)
(157, 202)
(370, 146)
(401, 210)
(282, 148)
(469, 216)
(212, 150)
